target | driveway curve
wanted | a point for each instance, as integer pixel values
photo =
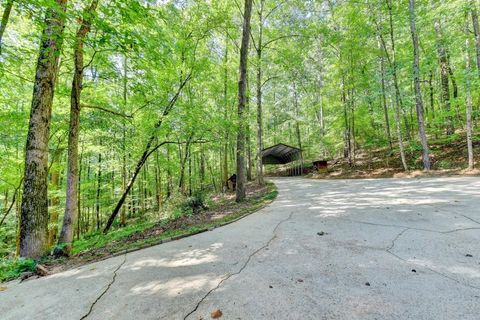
(339, 249)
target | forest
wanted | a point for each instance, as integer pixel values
(118, 114)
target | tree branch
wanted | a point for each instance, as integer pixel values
(279, 38)
(269, 79)
(107, 110)
(13, 202)
(274, 9)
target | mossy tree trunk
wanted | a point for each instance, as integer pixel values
(242, 90)
(34, 211)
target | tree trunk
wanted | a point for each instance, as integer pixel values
(242, 88)
(88, 196)
(468, 94)
(399, 135)
(225, 115)
(297, 124)
(123, 214)
(54, 209)
(79, 220)
(432, 95)
(346, 132)
(260, 179)
(34, 212)
(393, 65)
(4, 22)
(418, 92)
(183, 163)
(99, 181)
(442, 56)
(5, 202)
(455, 91)
(190, 191)
(158, 183)
(384, 103)
(352, 128)
(71, 205)
(248, 136)
(476, 32)
(321, 116)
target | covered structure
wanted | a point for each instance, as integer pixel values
(282, 154)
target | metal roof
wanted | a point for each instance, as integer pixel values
(280, 154)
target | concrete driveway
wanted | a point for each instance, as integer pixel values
(345, 249)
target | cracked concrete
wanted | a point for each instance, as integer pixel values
(277, 263)
(114, 277)
(274, 236)
(471, 219)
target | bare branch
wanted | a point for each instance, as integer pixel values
(279, 38)
(107, 110)
(269, 79)
(274, 9)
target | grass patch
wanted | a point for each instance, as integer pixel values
(222, 209)
(99, 239)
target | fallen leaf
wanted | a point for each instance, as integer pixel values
(300, 280)
(216, 314)
(2, 288)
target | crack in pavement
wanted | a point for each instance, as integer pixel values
(434, 271)
(106, 289)
(389, 251)
(242, 268)
(463, 215)
(396, 238)
(471, 219)
(410, 228)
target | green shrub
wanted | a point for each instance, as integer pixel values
(177, 213)
(195, 203)
(12, 268)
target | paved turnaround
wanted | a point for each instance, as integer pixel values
(344, 249)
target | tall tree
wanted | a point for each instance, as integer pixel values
(71, 205)
(384, 102)
(225, 114)
(476, 31)
(242, 98)
(468, 97)
(34, 212)
(394, 66)
(418, 92)
(259, 49)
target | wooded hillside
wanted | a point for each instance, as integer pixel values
(113, 112)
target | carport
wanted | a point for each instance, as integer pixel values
(282, 154)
